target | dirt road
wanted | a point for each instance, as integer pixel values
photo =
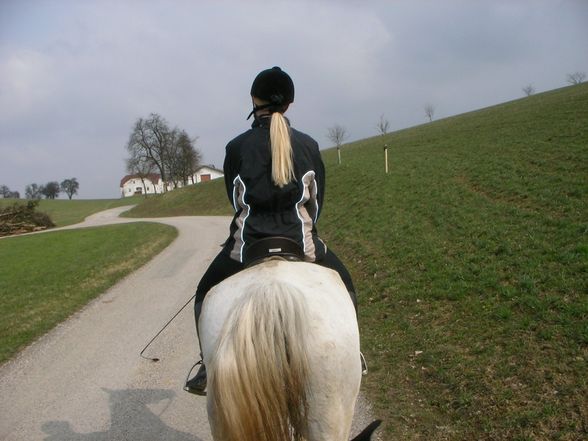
(85, 381)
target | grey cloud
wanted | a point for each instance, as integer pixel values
(75, 75)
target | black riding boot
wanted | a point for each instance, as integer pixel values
(197, 384)
(364, 367)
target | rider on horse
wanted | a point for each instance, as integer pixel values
(275, 179)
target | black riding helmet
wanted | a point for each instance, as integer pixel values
(275, 86)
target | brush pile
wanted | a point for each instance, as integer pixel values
(23, 218)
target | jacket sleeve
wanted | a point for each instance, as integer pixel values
(230, 170)
(320, 180)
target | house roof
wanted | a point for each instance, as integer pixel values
(211, 167)
(153, 177)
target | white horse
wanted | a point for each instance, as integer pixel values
(281, 346)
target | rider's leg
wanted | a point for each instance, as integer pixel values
(220, 268)
(332, 261)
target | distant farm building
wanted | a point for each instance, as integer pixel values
(132, 185)
(206, 173)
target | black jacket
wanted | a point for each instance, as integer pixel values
(262, 208)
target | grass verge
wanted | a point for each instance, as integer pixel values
(68, 212)
(45, 278)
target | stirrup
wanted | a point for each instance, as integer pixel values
(196, 385)
(364, 367)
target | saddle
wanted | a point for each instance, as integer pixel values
(275, 246)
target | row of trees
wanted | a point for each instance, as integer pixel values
(7, 193)
(337, 134)
(572, 79)
(52, 189)
(154, 147)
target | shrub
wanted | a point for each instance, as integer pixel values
(23, 218)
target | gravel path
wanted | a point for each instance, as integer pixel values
(85, 381)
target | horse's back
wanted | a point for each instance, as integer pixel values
(331, 335)
(332, 315)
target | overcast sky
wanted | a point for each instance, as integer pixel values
(75, 75)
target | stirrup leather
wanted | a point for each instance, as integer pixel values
(364, 367)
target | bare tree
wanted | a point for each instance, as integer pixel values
(33, 191)
(70, 187)
(429, 111)
(529, 90)
(5, 191)
(143, 168)
(171, 159)
(187, 158)
(183, 158)
(154, 146)
(383, 125)
(9, 194)
(576, 77)
(337, 134)
(151, 141)
(51, 190)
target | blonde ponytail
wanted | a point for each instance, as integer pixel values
(282, 160)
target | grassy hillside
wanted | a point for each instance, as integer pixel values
(473, 250)
(470, 258)
(205, 199)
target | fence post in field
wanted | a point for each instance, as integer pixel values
(386, 157)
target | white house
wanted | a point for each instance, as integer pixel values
(132, 185)
(206, 173)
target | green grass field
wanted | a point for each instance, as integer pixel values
(67, 212)
(470, 258)
(44, 278)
